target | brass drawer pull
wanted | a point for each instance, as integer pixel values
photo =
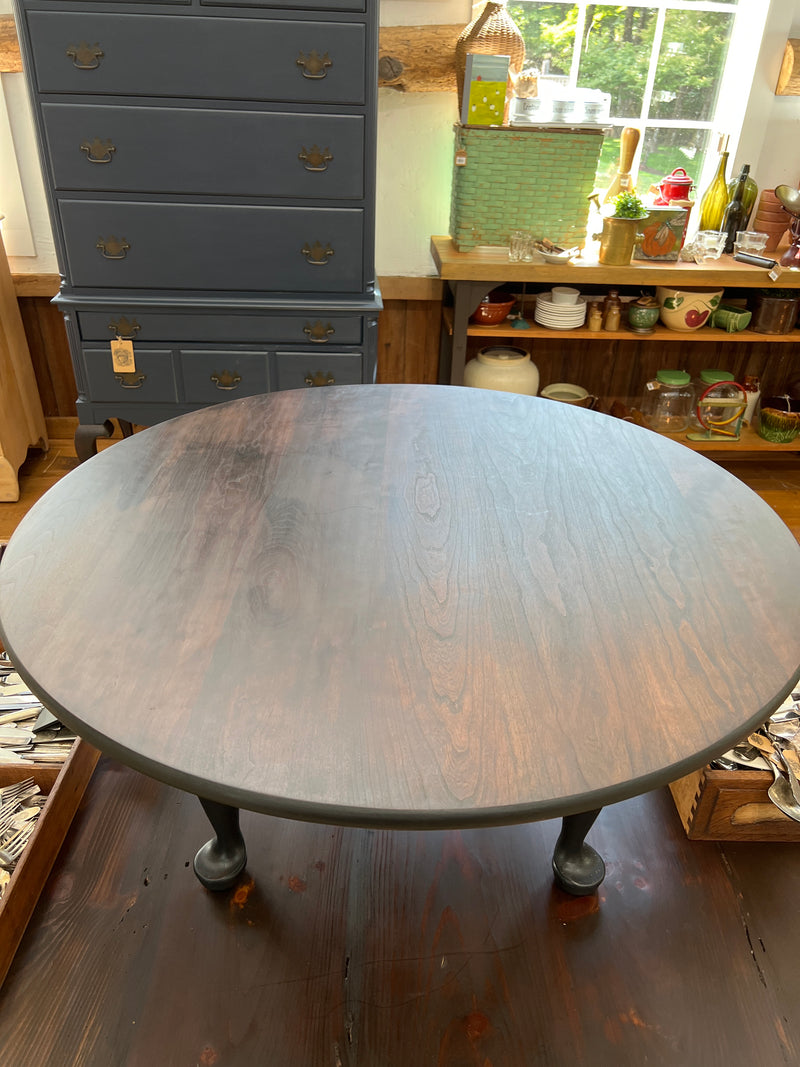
(317, 159)
(318, 334)
(123, 328)
(319, 378)
(98, 151)
(85, 56)
(226, 380)
(113, 248)
(314, 65)
(132, 380)
(317, 255)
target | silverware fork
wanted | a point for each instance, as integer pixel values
(13, 849)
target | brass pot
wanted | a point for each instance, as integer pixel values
(617, 240)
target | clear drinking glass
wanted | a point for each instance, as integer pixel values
(708, 245)
(520, 246)
(750, 241)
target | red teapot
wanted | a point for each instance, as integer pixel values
(675, 186)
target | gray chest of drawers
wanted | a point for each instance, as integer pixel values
(210, 175)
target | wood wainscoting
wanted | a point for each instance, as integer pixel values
(409, 330)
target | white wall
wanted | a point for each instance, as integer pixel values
(770, 138)
(415, 144)
(415, 153)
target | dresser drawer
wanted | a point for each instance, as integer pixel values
(212, 377)
(316, 328)
(282, 5)
(295, 5)
(153, 379)
(193, 56)
(199, 151)
(301, 370)
(121, 244)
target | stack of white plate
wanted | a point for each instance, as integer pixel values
(559, 316)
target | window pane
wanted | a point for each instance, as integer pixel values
(615, 56)
(661, 152)
(549, 34)
(693, 52)
(664, 150)
(609, 158)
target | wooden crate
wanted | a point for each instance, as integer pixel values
(716, 805)
(64, 786)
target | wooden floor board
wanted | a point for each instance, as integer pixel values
(378, 949)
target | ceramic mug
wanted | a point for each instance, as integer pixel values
(570, 394)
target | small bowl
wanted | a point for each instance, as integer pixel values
(492, 310)
(687, 309)
(557, 257)
(563, 294)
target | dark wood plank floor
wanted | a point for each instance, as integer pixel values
(356, 948)
(352, 947)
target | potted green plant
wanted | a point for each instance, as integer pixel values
(620, 230)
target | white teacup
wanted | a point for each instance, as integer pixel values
(567, 393)
(562, 294)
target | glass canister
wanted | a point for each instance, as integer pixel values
(506, 369)
(720, 403)
(668, 402)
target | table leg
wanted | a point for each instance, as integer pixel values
(86, 439)
(577, 867)
(222, 859)
(466, 296)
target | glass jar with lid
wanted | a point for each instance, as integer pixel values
(668, 402)
(721, 403)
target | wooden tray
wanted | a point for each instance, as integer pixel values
(64, 786)
(716, 805)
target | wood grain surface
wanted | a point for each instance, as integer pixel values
(404, 606)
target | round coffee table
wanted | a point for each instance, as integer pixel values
(404, 606)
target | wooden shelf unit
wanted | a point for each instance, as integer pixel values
(470, 275)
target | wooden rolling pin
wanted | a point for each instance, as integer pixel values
(622, 182)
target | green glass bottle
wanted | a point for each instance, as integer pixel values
(735, 218)
(748, 197)
(715, 198)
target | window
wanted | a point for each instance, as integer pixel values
(678, 70)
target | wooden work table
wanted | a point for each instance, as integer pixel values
(492, 264)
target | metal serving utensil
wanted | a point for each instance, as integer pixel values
(780, 792)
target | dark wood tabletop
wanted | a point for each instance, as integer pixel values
(404, 606)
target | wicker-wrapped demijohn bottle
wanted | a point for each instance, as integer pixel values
(493, 32)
